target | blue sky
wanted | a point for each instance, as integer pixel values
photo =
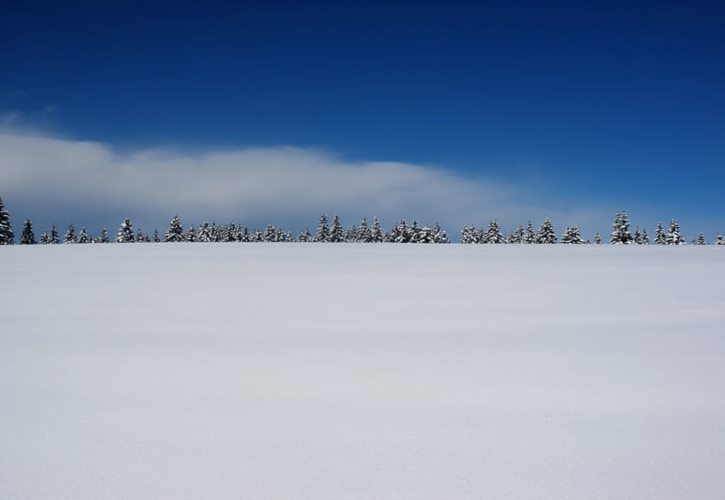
(570, 108)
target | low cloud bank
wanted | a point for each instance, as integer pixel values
(287, 186)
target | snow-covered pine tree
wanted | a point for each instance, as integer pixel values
(572, 236)
(425, 235)
(469, 235)
(7, 237)
(53, 236)
(637, 237)
(720, 239)
(546, 234)
(175, 234)
(189, 235)
(620, 230)
(377, 235)
(305, 236)
(70, 235)
(517, 236)
(323, 230)
(44, 238)
(204, 235)
(351, 234)
(271, 233)
(27, 237)
(597, 239)
(699, 240)
(140, 237)
(674, 237)
(644, 237)
(83, 236)
(336, 233)
(125, 232)
(364, 234)
(413, 232)
(399, 233)
(439, 235)
(493, 235)
(103, 238)
(660, 236)
(530, 235)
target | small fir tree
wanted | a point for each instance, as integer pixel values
(376, 233)
(70, 235)
(28, 237)
(125, 232)
(620, 230)
(323, 230)
(493, 235)
(699, 240)
(546, 234)
(7, 237)
(674, 237)
(571, 236)
(175, 234)
(53, 236)
(336, 233)
(660, 236)
(83, 236)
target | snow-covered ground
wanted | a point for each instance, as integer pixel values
(245, 371)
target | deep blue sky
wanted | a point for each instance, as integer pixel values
(622, 103)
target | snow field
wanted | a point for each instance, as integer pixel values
(335, 371)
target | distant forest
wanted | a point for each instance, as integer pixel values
(334, 232)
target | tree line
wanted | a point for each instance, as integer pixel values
(335, 232)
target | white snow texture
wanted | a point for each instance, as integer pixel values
(313, 371)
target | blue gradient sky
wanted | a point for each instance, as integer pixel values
(606, 105)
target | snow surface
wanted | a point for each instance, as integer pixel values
(245, 371)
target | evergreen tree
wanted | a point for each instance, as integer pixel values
(336, 234)
(674, 237)
(469, 235)
(204, 235)
(103, 238)
(364, 234)
(83, 236)
(720, 239)
(190, 235)
(156, 238)
(660, 236)
(305, 236)
(493, 235)
(637, 236)
(53, 237)
(7, 237)
(439, 235)
(175, 234)
(125, 232)
(530, 235)
(546, 234)
(399, 233)
(376, 233)
(70, 235)
(351, 234)
(644, 237)
(597, 239)
(323, 231)
(425, 235)
(28, 237)
(44, 238)
(571, 236)
(517, 236)
(620, 232)
(140, 237)
(699, 240)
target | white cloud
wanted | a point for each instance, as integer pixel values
(283, 185)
